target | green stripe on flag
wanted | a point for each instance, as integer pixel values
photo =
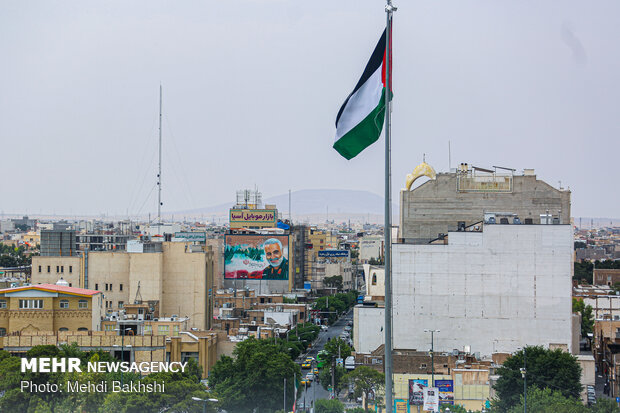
(364, 133)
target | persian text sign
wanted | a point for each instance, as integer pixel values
(191, 236)
(253, 216)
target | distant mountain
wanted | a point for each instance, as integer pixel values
(316, 202)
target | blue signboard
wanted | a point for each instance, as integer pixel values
(307, 286)
(334, 253)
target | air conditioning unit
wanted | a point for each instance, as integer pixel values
(141, 317)
(253, 322)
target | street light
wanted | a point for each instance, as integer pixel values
(204, 406)
(432, 354)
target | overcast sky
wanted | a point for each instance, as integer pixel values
(252, 89)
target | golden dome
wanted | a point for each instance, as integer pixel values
(423, 169)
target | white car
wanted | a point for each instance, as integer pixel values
(310, 376)
(324, 328)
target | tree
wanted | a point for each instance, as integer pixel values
(547, 400)
(364, 381)
(587, 318)
(604, 405)
(325, 377)
(334, 282)
(255, 377)
(329, 406)
(337, 347)
(554, 369)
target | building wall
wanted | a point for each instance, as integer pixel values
(436, 207)
(377, 289)
(186, 284)
(69, 268)
(51, 317)
(494, 291)
(368, 326)
(110, 268)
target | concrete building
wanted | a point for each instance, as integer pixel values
(375, 283)
(49, 307)
(606, 276)
(178, 277)
(493, 290)
(603, 299)
(462, 198)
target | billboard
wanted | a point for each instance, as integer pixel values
(446, 391)
(431, 399)
(253, 216)
(191, 236)
(334, 254)
(260, 257)
(416, 391)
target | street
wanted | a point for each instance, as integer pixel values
(314, 390)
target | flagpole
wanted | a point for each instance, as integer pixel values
(389, 403)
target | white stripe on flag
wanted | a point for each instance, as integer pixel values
(361, 103)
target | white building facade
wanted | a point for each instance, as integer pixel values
(491, 291)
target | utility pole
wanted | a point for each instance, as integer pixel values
(285, 395)
(432, 354)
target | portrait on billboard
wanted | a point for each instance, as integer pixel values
(261, 257)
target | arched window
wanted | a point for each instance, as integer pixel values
(64, 303)
(82, 329)
(374, 279)
(63, 329)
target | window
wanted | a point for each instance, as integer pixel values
(64, 303)
(175, 330)
(39, 269)
(48, 268)
(106, 286)
(30, 304)
(58, 268)
(121, 287)
(148, 329)
(70, 285)
(2, 332)
(63, 329)
(62, 268)
(109, 327)
(82, 304)
(374, 279)
(121, 304)
(423, 365)
(70, 269)
(2, 303)
(96, 286)
(82, 329)
(110, 287)
(163, 330)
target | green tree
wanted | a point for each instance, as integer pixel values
(365, 380)
(329, 406)
(333, 282)
(337, 347)
(547, 400)
(254, 378)
(457, 408)
(554, 369)
(325, 377)
(587, 316)
(604, 405)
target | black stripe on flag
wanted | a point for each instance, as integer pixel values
(375, 62)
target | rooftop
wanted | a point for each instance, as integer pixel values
(51, 288)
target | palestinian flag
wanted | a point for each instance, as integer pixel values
(360, 119)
